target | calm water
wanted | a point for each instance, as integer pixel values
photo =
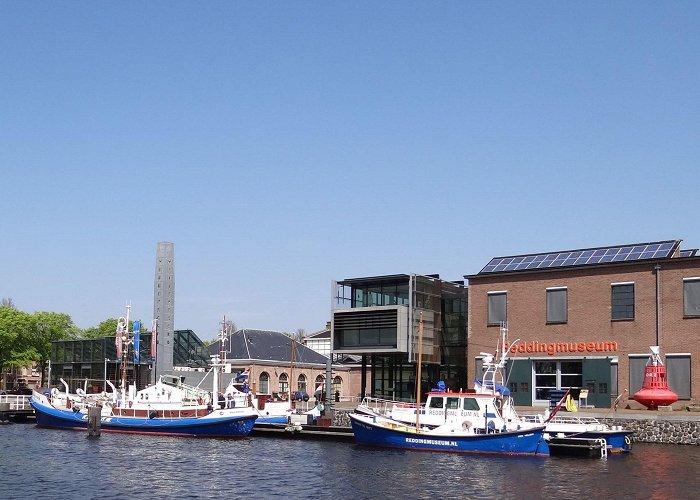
(44, 463)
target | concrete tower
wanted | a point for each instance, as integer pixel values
(164, 307)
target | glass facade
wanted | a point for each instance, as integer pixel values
(86, 363)
(385, 329)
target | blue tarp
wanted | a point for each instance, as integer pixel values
(501, 389)
(441, 387)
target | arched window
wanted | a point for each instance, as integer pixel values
(264, 383)
(301, 383)
(320, 384)
(284, 383)
(338, 385)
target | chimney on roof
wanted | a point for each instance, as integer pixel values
(328, 325)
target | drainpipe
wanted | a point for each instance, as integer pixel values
(657, 268)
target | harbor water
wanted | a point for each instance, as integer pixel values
(44, 463)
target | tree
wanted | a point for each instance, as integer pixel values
(45, 328)
(7, 302)
(299, 334)
(16, 348)
(107, 328)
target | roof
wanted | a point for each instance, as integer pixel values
(322, 334)
(616, 254)
(266, 345)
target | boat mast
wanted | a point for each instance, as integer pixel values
(418, 375)
(291, 372)
(123, 339)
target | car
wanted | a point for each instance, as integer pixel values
(300, 396)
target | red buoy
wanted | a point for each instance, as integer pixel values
(655, 391)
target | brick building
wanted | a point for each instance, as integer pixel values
(586, 318)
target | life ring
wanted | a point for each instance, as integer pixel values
(628, 441)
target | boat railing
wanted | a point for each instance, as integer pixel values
(16, 401)
(383, 406)
(560, 419)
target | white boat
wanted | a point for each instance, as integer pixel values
(441, 408)
(458, 422)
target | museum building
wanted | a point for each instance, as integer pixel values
(586, 318)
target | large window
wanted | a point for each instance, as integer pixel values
(557, 375)
(557, 299)
(622, 301)
(264, 383)
(496, 304)
(691, 297)
(284, 383)
(678, 371)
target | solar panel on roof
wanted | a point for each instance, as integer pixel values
(621, 253)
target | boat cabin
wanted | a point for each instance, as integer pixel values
(466, 408)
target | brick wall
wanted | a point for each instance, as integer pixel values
(589, 312)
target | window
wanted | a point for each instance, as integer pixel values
(436, 402)
(452, 404)
(557, 307)
(678, 370)
(284, 383)
(264, 383)
(691, 297)
(301, 383)
(637, 362)
(623, 301)
(496, 304)
(337, 385)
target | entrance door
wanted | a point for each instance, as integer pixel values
(555, 375)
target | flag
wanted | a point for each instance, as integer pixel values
(137, 342)
(118, 339)
(154, 338)
(243, 376)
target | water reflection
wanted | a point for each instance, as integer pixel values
(45, 463)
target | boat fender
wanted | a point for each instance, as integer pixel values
(152, 414)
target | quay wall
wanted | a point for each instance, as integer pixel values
(657, 428)
(661, 429)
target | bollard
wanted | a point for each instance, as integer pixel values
(4, 411)
(93, 421)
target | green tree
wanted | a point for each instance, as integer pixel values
(47, 327)
(107, 328)
(16, 349)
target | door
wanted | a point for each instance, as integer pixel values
(519, 381)
(597, 378)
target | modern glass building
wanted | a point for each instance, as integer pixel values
(95, 360)
(381, 319)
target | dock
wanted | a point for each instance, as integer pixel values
(15, 408)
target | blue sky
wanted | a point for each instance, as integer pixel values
(282, 145)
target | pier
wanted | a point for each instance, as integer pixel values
(15, 408)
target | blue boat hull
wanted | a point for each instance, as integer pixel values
(525, 442)
(617, 441)
(210, 426)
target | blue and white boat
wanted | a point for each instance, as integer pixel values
(457, 422)
(375, 430)
(189, 422)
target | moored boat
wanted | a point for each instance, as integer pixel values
(375, 430)
(168, 407)
(228, 423)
